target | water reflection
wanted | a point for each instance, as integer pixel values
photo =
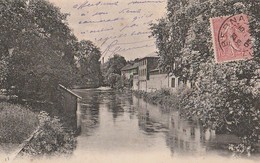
(186, 137)
(182, 137)
(115, 121)
(114, 106)
(151, 118)
(88, 114)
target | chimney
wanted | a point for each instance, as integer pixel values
(103, 60)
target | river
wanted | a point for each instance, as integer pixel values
(116, 126)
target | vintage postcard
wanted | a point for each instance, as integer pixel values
(123, 81)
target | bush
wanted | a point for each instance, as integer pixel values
(166, 97)
(50, 139)
(16, 123)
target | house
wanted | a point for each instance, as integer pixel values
(151, 78)
(129, 70)
(146, 64)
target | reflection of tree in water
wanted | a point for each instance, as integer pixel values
(126, 100)
(119, 103)
(90, 112)
(129, 103)
(115, 105)
(90, 106)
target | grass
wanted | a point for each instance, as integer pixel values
(16, 123)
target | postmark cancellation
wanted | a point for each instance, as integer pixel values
(231, 38)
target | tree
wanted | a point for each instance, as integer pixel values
(225, 95)
(36, 71)
(88, 61)
(33, 42)
(113, 80)
(3, 71)
(113, 66)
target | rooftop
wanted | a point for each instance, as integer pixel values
(151, 55)
(130, 66)
(154, 54)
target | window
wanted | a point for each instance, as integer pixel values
(173, 83)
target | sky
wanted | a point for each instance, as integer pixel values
(115, 26)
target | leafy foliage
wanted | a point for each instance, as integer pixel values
(115, 64)
(166, 97)
(34, 39)
(50, 139)
(3, 71)
(88, 62)
(38, 50)
(225, 96)
(112, 69)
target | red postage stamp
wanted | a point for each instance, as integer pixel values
(231, 38)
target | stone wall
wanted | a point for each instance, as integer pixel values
(135, 82)
(143, 85)
(157, 82)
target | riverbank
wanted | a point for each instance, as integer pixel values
(16, 123)
(181, 100)
(50, 139)
(165, 97)
(27, 133)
